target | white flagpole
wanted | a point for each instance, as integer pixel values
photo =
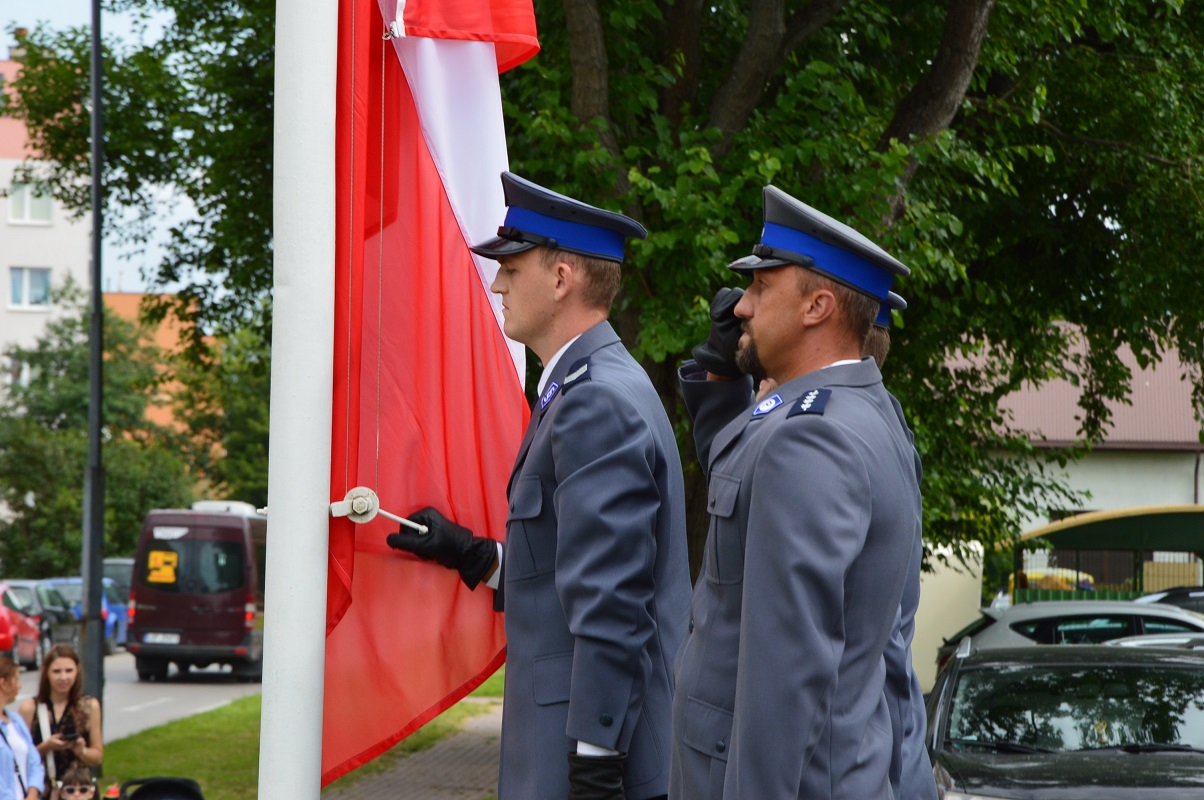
(290, 744)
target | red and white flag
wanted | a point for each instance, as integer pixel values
(428, 401)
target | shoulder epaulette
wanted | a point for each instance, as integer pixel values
(813, 402)
(577, 373)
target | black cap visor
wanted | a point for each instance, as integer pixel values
(511, 241)
(498, 247)
(764, 256)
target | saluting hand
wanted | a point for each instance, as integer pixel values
(717, 355)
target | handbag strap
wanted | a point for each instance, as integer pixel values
(44, 725)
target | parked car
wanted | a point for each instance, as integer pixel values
(198, 590)
(121, 570)
(26, 648)
(1189, 597)
(1069, 622)
(7, 637)
(49, 609)
(1190, 641)
(112, 610)
(1059, 722)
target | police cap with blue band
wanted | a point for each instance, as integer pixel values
(539, 217)
(796, 233)
(893, 302)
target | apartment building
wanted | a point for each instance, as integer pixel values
(40, 245)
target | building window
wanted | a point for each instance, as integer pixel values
(17, 372)
(30, 287)
(27, 207)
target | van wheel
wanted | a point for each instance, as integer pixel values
(151, 669)
(39, 652)
(249, 673)
(111, 644)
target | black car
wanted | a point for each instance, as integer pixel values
(1064, 722)
(55, 617)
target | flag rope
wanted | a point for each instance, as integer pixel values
(350, 272)
(380, 252)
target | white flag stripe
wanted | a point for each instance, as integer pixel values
(456, 92)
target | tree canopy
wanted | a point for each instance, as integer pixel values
(1034, 163)
(44, 443)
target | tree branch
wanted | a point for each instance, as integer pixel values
(738, 96)
(681, 56)
(932, 103)
(591, 85)
(766, 45)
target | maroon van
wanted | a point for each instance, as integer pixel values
(197, 592)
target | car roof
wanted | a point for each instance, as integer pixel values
(1089, 654)
(1045, 608)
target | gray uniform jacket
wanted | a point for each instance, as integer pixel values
(815, 507)
(911, 768)
(596, 575)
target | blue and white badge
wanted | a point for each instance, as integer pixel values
(767, 405)
(548, 395)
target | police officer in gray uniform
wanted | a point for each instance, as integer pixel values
(815, 507)
(594, 571)
(911, 775)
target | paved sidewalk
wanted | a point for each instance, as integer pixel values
(461, 767)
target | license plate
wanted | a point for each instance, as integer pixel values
(161, 638)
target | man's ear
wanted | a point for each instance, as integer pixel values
(565, 278)
(818, 306)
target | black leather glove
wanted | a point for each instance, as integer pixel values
(596, 777)
(718, 353)
(448, 544)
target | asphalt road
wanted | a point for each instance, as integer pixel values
(129, 706)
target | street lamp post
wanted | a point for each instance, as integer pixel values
(94, 477)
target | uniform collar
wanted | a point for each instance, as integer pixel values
(551, 365)
(597, 337)
(842, 373)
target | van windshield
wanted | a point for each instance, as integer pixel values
(194, 565)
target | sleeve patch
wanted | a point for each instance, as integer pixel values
(813, 402)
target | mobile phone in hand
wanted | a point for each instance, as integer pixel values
(69, 736)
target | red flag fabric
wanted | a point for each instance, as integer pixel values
(428, 407)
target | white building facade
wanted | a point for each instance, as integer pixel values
(40, 246)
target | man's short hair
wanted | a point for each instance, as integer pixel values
(601, 277)
(860, 310)
(876, 345)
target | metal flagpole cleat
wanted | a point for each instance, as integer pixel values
(362, 505)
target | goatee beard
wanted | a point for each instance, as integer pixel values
(749, 362)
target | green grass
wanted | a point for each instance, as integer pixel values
(492, 687)
(219, 749)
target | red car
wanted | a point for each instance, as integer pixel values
(19, 633)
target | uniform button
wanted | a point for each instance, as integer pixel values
(607, 720)
(720, 746)
(691, 626)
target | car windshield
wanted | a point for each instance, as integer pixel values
(1077, 707)
(24, 594)
(194, 565)
(71, 592)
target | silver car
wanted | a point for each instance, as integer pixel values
(1070, 622)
